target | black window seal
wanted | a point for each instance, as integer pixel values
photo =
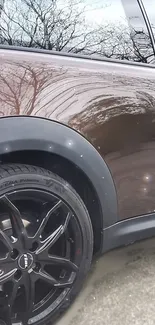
(76, 56)
(147, 22)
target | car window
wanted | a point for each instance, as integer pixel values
(104, 28)
(150, 9)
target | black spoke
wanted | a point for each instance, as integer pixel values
(59, 261)
(53, 282)
(13, 294)
(5, 310)
(6, 241)
(46, 218)
(18, 228)
(65, 284)
(29, 291)
(49, 241)
(47, 278)
(7, 276)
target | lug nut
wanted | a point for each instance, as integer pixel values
(14, 254)
(18, 275)
(34, 247)
(37, 267)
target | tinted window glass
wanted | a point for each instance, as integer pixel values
(150, 9)
(106, 28)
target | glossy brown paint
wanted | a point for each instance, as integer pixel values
(111, 104)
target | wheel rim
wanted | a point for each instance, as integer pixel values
(40, 254)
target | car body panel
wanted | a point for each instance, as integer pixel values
(109, 103)
(128, 231)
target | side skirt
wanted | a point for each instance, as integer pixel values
(128, 231)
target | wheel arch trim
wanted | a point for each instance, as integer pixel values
(34, 133)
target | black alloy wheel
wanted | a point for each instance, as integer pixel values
(46, 245)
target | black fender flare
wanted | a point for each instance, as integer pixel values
(35, 133)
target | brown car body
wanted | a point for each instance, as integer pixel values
(110, 104)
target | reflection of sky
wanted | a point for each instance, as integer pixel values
(105, 10)
(99, 11)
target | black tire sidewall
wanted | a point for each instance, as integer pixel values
(49, 182)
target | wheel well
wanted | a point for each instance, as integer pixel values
(73, 175)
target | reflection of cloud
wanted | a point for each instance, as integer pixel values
(103, 11)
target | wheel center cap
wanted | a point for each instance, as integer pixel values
(25, 261)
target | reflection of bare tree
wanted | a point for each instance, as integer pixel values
(22, 93)
(59, 26)
(121, 42)
(38, 23)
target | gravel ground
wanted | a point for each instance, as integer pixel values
(120, 289)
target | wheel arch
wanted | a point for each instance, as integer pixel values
(19, 135)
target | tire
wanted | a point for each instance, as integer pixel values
(20, 181)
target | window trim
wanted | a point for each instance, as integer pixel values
(147, 22)
(75, 56)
